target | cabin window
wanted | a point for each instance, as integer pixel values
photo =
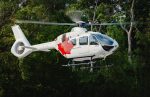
(83, 40)
(63, 37)
(73, 41)
(93, 40)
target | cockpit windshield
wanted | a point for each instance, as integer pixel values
(104, 40)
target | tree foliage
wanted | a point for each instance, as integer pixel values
(41, 74)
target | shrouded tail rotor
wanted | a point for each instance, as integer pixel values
(18, 48)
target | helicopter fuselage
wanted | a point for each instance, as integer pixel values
(79, 44)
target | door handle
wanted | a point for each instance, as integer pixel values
(76, 47)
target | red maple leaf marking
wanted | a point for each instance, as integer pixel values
(65, 47)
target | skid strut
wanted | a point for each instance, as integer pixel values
(72, 64)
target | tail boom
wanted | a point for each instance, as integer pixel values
(21, 48)
(44, 46)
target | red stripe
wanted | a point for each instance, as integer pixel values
(65, 47)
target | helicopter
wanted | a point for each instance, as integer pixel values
(78, 45)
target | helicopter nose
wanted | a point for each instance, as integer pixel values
(115, 44)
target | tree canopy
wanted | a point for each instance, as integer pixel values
(41, 74)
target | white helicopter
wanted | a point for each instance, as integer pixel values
(76, 45)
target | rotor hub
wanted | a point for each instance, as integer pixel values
(81, 24)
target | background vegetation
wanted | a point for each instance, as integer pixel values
(41, 74)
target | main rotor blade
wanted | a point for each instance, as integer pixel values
(75, 16)
(44, 23)
(104, 24)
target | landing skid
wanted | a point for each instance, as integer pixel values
(89, 64)
(78, 64)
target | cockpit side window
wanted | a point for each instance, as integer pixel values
(93, 40)
(83, 40)
(104, 40)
